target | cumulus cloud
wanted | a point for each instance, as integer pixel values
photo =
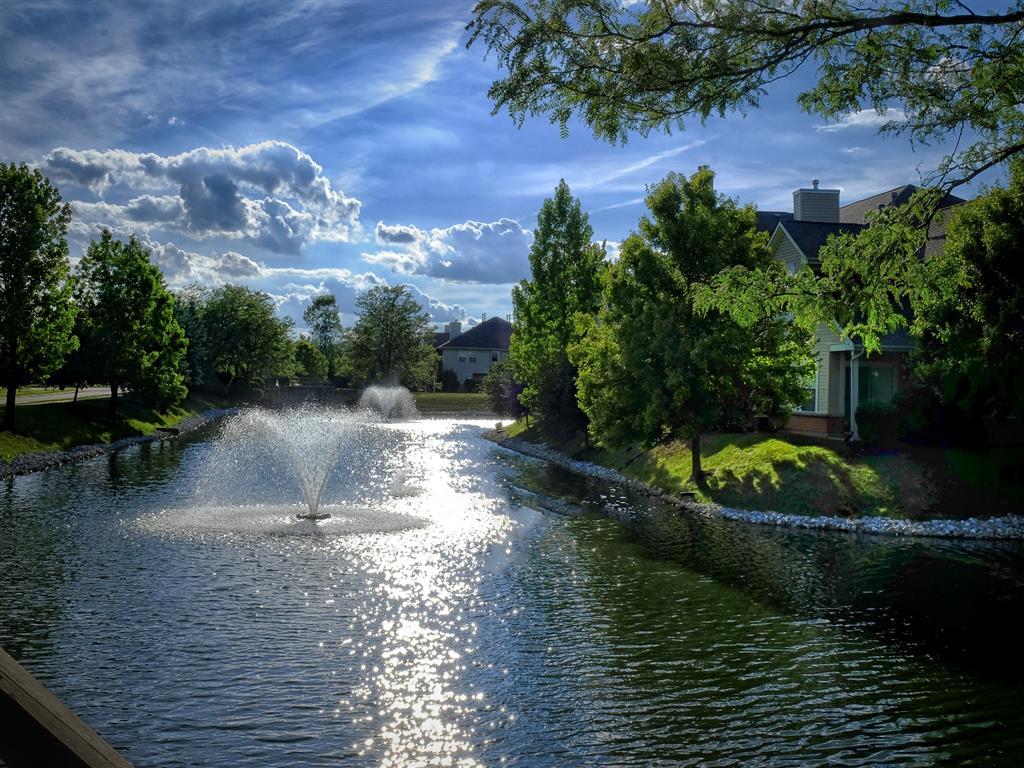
(865, 118)
(271, 194)
(472, 252)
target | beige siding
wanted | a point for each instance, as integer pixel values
(824, 337)
(789, 253)
(816, 205)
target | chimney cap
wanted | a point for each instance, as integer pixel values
(814, 183)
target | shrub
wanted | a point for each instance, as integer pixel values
(448, 380)
(471, 385)
(503, 390)
(876, 422)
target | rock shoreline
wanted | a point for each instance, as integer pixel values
(28, 463)
(1003, 528)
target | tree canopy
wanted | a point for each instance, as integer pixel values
(944, 70)
(128, 322)
(653, 365)
(246, 342)
(325, 329)
(392, 341)
(565, 268)
(36, 314)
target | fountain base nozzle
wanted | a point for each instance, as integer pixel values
(317, 516)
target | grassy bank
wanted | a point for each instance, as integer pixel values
(60, 426)
(452, 402)
(789, 474)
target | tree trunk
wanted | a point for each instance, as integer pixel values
(696, 471)
(74, 400)
(12, 393)
(113, 398)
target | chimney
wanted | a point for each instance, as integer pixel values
(816, 204)
(453, 329)
(483, 316)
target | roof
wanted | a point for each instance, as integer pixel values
(768, 220)
(490, 334)
(809, 236)
(856, 213)
(440, 337)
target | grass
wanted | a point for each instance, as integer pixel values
(777, 472)
(452, 402)
(60, 426)
(22, 391)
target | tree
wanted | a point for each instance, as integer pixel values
(565, 268)
(129, 330)
(392, 341)
(310, 361)
(652, 364)
(324, 324)
(36, 313)
(189, 307)
(246, 342)
(971, 324)
(503, 390)
(943, 70)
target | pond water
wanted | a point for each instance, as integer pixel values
(467, 606)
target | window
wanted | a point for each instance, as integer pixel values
(875, 384)
(811, 389)
(472, 358)
(494, 357)
(462, 358)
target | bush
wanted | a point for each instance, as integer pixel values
(448, 380)
(503, 390)
(922, 417)
(471, 385)
(876, 422)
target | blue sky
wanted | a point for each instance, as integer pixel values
(301, 147)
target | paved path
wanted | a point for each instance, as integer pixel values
(58, 396)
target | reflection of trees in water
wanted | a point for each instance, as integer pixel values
(32, 574)
(959, 600)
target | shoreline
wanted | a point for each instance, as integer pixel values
(30, 463)
(1006, 527)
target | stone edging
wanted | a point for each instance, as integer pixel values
(37, 462)
(1005, 527)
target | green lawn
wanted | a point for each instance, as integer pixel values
(32, 390)
(776, 472)
(60, 426)
(452, 402)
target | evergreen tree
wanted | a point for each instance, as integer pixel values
(565, 268)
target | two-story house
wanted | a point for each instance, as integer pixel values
(845, 375)
(472, 353)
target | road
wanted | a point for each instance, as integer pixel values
(60, 396)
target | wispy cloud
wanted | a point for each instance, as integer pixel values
(865, 118)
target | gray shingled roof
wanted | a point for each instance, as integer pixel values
(490, 334)
(809, 236)
(768, 220)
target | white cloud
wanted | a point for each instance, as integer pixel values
(865, 118)
(271, 194)
(473, 252)
(855, 151)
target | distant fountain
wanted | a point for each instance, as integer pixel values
(310, 437)
(390, 402)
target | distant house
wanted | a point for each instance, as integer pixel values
(845, 376)
(471, 354)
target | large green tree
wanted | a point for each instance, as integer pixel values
(652, 364)
(947, 68)
(36, 313)
(565, 268)
(310, 361)
(324, 323)
(392, 341)
(246, 342)
(970, 323)
(128, 323)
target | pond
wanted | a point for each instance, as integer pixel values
(468, 606)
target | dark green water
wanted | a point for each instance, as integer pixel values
(495, 631)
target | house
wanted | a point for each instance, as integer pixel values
(471, 354)
(845, 376)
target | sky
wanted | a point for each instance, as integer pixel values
(304, 147)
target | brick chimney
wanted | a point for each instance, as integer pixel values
(816, 204)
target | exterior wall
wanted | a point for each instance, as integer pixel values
(825, 337)
(817, 424)
(789, 254)
(836, 370)
(468, 368)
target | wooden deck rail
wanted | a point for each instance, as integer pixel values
(36, 729)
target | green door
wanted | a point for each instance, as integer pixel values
(875, 384)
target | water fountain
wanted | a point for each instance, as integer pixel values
(390, 402)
